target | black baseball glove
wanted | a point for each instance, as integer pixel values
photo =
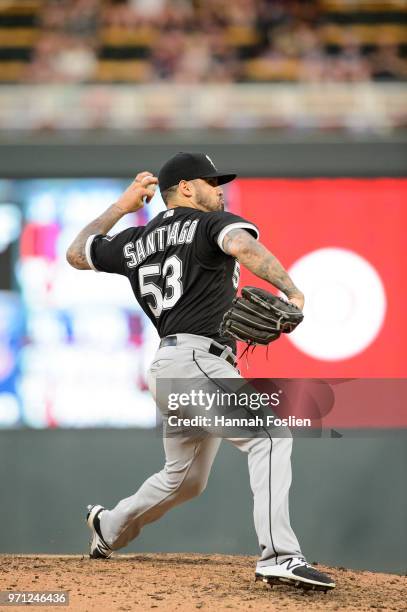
(259, 317)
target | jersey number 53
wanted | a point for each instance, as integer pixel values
(171, 273)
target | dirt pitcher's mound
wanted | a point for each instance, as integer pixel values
(184, 582)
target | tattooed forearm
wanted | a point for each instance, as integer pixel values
(252, 254)
(75, 255)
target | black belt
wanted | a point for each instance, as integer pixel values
(214, 349)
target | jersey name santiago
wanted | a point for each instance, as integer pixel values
(178, 272)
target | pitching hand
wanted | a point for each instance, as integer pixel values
(131, 200)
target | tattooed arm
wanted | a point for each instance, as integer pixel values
(252, 254)
(75, 255)
(131, 200)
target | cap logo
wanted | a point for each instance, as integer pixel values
(209, 159)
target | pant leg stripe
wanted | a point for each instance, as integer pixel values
(270, 454)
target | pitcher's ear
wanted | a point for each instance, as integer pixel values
(186, 188)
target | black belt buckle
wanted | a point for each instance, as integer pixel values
(217, 350)
(168, 341)
(214, 349)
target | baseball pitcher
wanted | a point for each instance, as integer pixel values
(183, 267)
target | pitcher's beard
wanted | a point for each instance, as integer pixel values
(203, 204)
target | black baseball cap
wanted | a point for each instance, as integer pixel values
(189, 166)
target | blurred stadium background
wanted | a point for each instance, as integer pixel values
(307, 101)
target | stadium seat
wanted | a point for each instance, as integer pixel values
(268, 70)
(11, 72)
(131, 71)
(123, 37)
(18, 34)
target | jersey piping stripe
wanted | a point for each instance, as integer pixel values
(237, 225)
(87, 252)
(270, 454)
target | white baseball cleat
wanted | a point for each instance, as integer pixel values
(297, 572)
(98, 547)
